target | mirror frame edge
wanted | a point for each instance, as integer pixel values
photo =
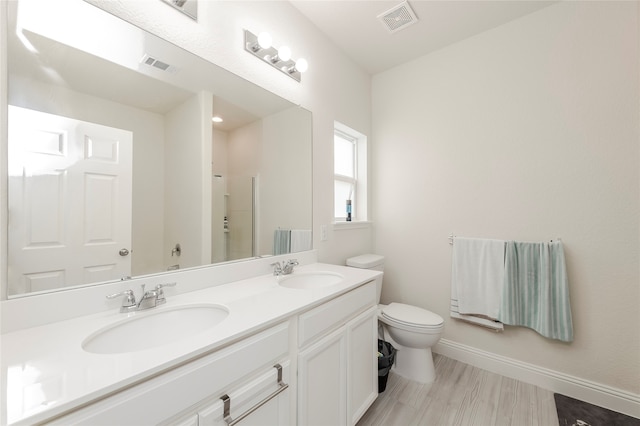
(4, 157)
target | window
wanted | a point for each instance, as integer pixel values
(350, 173)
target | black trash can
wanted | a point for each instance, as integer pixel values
(386, 358)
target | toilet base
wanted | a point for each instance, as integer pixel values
(414, 364)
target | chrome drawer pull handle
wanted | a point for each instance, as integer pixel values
(227, 400)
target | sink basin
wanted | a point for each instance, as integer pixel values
(310, 280)
(147, 329)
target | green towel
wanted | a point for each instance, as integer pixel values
(536, 289)
(281, 241)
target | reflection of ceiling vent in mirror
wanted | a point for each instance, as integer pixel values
(398, 17)
(156, 63)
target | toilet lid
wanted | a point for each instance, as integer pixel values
(411, 315)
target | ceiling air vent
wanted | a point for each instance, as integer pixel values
(398, 17)
(156, 63)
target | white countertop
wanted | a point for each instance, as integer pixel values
(46, 372)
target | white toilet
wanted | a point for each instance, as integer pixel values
(411, 330)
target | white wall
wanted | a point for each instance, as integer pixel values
(530, 132)
(284, 175)
(188, 182)
(244, 150)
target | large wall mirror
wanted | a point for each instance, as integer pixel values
(116, 168)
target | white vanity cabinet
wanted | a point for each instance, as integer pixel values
(316, 366)
(337, 360)
(190, 394)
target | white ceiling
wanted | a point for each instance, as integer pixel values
(354, 27)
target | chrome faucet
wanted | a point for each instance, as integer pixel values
(148, 299)
(284, 268)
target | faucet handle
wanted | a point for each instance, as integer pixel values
(288, 267)
(277, 268)
(159, 286)
(160, 292)
(128, 302)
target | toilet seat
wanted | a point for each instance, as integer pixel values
(411, 316)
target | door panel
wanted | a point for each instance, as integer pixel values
(322, 381)
(70, 192)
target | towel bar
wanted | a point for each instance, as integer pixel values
(227, 400)
(451, 237)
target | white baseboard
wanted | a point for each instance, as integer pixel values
(555, 381)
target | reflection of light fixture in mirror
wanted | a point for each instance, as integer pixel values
(217, 119)
(279, 58)
(188, 7)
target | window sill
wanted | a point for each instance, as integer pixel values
(358, 224)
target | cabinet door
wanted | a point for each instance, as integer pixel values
(362, 350)
(268, 398)
(322, 380)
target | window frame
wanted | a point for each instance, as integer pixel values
(358, 181)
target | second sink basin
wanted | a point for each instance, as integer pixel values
(148, 329)
(309, 280)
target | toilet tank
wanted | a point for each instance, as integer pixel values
(369, 261)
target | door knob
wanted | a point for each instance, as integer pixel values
(124, 252)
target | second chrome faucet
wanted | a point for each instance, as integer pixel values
(284, 268)
(148, 299)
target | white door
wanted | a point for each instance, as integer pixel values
(70, 186)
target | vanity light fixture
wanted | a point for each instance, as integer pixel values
(279, 58)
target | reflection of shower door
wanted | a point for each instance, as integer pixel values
(241, 210)
(70, 191)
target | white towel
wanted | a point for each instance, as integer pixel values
(300, 240)
(477, 276)
(485, 322)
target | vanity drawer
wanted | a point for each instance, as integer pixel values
(314, 323)
(161, 397)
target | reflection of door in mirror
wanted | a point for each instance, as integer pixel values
(70, 186)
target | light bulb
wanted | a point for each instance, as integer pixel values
(284, 53)
(217, 119)
(264, 40)
(302, 65)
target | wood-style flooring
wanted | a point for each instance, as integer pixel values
(461, 395)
